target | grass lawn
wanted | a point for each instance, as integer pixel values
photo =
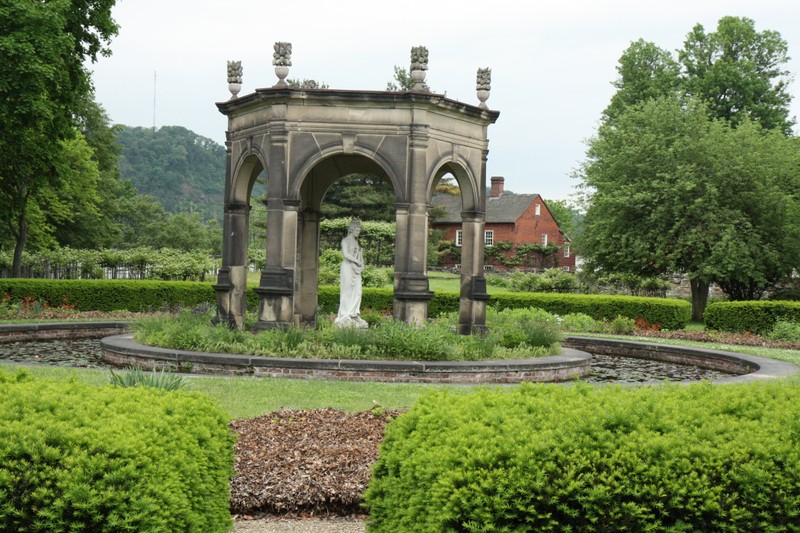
(244, 397)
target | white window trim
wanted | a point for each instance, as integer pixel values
(459, 237)
(537, 209)
(544, 239)
(566, 250)
(488, 237)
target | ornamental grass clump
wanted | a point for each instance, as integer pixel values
(697, 457)
(136, 377)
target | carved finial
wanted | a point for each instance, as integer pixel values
(234, 77)
(419, 64)
(419, 58)
(282, 57)
(282, 60)
(483, 85)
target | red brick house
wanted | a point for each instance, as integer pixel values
(520, 232)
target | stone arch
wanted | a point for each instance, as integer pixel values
(244, 175)
(309, 188)
(305, 139)
(473, 295)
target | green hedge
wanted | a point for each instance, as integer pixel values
(670, 313)
(113, 295)
(79, 458)
(671, 458)
(753, 316)
(110, 295)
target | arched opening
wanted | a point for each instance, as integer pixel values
(317, 185)
(461, 210)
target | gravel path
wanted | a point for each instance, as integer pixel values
(309, 525)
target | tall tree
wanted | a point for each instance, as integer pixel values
(672, 190)
(645, 71)
(732, 78)
(43, 50)
(739, 72)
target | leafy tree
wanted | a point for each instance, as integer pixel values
(567, 215)
(401, 81)
(98, 226)
(673, 190)
(732, 78)
(43, 50)
(738, 72)
(360, 195)
(645, 71)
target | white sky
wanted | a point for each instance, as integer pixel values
(552, 62)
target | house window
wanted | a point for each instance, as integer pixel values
(544, 239)
(537, 210)
(566, 250)
(488, 237)
(566, 269)
(459, 237)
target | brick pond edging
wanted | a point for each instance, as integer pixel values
(122, 350)
(748, 367)
(44, 331)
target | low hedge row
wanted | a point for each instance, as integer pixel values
(671, 458)
(80, 458)
(668, 313)
(112, 295)
(753, 316)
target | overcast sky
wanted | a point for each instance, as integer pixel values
(552, 62)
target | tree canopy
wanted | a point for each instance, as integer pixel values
(676, 191)
(43, 50)
(691, 169)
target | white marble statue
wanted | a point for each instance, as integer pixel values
(349, 315)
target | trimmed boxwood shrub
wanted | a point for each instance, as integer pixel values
(753, 316)
(670, 313)
(671, 458)
(110, 295)
(80, 458)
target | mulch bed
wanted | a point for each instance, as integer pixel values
(305, 463)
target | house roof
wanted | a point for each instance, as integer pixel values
(506, 208)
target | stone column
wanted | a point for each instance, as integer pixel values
(276, 288)
(306, 299)
(472, 304)
(411, 291)
(231, 286)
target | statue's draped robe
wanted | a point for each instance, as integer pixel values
(350, 279)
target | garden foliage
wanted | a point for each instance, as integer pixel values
(80, 458)
(114, 295)
(753, 316)
(700, 457)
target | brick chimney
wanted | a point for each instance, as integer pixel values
(497, 186)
